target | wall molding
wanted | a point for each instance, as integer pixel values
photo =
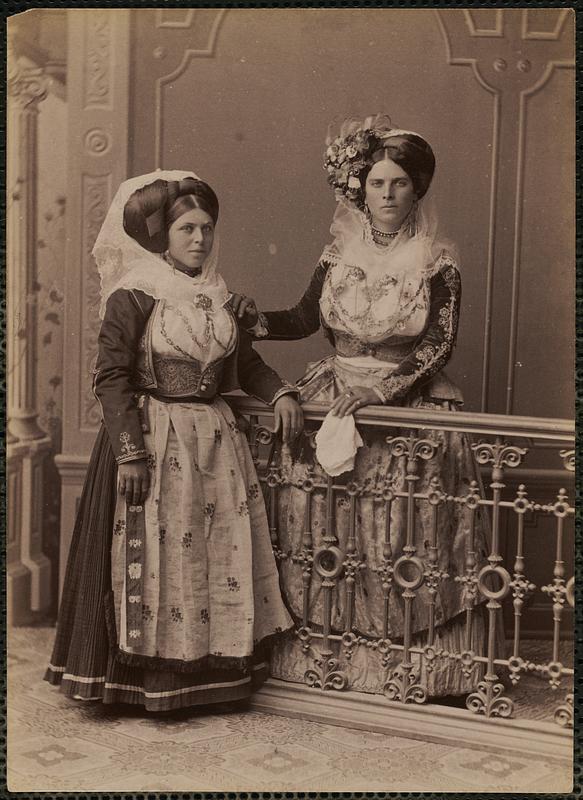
(507, 76)
(206, 51)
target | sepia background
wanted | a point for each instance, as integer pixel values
(244, 97)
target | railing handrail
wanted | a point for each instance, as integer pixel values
(535, 428)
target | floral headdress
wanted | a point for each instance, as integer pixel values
(349, 153)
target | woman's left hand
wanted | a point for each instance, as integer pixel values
(353, 399)
(289, 418)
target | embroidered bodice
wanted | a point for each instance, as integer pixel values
(192, 331)
(373, 307)
(410, 320)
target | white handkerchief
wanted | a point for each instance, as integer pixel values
(336, 444)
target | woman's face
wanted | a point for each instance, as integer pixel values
(389, 194)
(190, 239)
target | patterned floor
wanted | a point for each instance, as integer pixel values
(55, 744)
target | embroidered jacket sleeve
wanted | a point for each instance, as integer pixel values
(125, 318)
(433, 349)
(256, 377)
(300, 321)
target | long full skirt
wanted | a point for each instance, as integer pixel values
(377, 472)
(174, 603)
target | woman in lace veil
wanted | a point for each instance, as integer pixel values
(171, 594)
(387, 293)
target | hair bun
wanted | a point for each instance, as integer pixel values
(143, 216)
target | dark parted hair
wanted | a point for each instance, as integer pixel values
(412, 153)
(151, 210)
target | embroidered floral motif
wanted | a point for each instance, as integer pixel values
(187, 539)
(233, 426)
(135, 598)
(176, 614)
(253, 491)
(135, 571)
(209, 510)
(432, 356)
(233, 584)
(147, 613)
(135, 543)
(203, 301)
(204, 616)
(355, 275)
(243, 509)
(151, 461)
(135, 633)
(174, 464)
(162, 535)
(120, 527)
(127, 447)
(218, 436)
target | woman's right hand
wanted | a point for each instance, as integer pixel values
(133, 480)
(244, 309)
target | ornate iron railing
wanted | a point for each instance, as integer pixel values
(501, 445)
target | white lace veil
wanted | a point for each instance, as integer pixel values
(415, 249)
(124, 264)
(368, 310)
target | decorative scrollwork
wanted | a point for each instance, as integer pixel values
(326, 675)
(411, 447)
(26, 85)
(568, 457)
(402, 687)
(499, 455)
(262, 435)
(564, 714)
(490, 701)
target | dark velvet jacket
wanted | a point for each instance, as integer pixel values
(419, 358)
(126, 372)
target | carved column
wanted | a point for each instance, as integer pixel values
(28, 569)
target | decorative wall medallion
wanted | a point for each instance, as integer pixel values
(97, 142)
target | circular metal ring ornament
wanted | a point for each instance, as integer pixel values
(570, 591)
(504, 576)
(407, 561)
(334, 556)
